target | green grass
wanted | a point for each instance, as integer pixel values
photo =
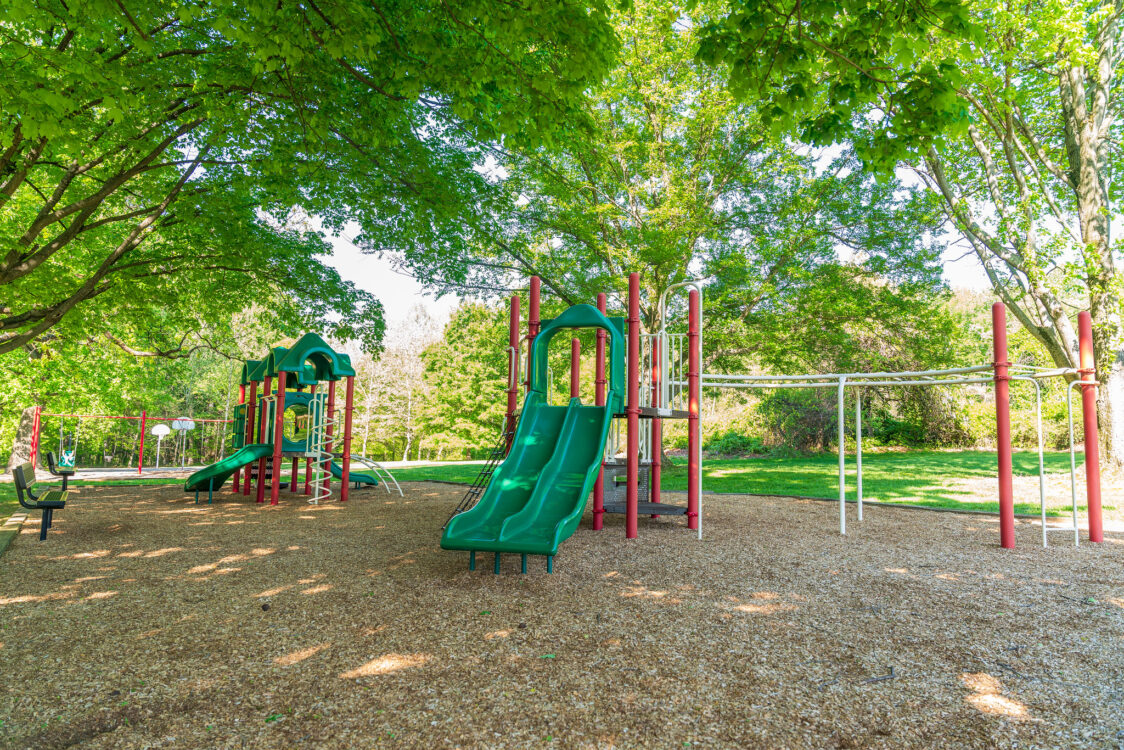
(912, 477)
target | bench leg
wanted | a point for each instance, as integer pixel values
(44, 524)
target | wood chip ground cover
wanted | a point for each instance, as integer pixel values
(148, 621)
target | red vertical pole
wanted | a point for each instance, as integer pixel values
(694, 367)
(575, 368)
(657, 426)
(345, 468)
(251, 414)
(328, 431)
(512, 374)
(1003, 427)
(1088, 371)
(237, 472)
(293, 480)
(599, 395)
(140, 449)
(35, 427)
(278, 432)
(308, 461)
(262, 430)
(532, 322)
(633, 410)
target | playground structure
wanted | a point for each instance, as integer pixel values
(260, 440)
(531, 494)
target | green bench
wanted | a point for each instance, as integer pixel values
(48, 500)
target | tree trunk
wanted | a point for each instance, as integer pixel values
(21, 448)
(1110, 406)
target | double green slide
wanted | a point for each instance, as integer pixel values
(536, 497)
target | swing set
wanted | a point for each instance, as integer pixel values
(68, 441)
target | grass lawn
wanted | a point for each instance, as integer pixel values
(931, 478)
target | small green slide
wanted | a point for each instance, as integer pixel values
(536, 497)
(213, 476)
(354, 476)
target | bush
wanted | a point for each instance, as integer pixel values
(733, 443)
(805, 420)
(890, 430)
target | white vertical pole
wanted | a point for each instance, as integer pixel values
(842, 461)
(1072, 462)
(859, 448)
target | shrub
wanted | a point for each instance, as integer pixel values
(733, 443)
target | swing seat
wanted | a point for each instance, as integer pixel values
(54, 468)
(47, 501)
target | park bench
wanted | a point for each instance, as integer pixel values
(47, 501)
(53, 467)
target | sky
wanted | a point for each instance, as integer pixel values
(399, 292)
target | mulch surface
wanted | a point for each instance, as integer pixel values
(148, 621)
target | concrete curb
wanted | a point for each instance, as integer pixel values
(9, 530)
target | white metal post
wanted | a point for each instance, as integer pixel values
(1072, 455)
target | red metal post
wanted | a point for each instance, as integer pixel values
(278, 432)
(140, 449)
(575, 368)
(657, 426)
(328, 431)
(251, 413)
(293, 480)
(308, 461)
(533, 322)
(262, 430)
(1003, 427)
(238, 471)
(694, 367)
(36, 421)
(599, 395)
(632, 475)
(345, 467)
(1089, 413)
(512, 375)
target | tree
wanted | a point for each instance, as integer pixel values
(1028, 187)
(393, 390)
(171, 139)
(677, 178)
(809, 67)
(466, 371)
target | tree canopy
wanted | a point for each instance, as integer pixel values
(148, 140)
(878, 74)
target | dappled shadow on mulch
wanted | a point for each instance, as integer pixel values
(148, 621)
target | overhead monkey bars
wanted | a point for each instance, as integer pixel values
(1002, 372)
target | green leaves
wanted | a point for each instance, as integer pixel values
(833, 72)
(129, 126)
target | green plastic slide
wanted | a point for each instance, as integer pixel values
(536, 497)
(354, 476)
(213, 476)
